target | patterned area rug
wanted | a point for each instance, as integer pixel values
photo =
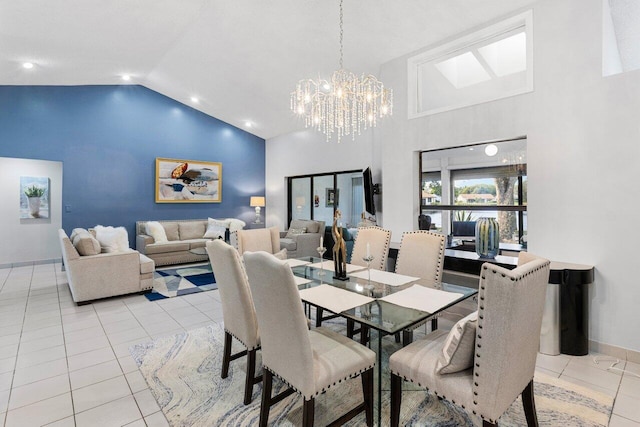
(174, 282)
(183, 372)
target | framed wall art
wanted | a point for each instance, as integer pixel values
(188, 181)
(332, 197)
(34, 197)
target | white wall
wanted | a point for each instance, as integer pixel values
(28, 240)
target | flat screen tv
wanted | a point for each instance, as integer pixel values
(367, 182)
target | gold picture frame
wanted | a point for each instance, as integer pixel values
(188, 181)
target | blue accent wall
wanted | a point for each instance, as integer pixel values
(108, 138)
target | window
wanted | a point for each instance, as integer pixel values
(493, 63)
(620, 36)
(460, 185)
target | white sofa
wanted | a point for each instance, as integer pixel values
(101, 275)
(186, 241)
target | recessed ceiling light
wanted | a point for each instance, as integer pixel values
(471, 149)
(126, 77)
(27, 65)
(194, 99)
(247, 124)
(491, 150)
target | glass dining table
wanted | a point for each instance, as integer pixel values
(377, 315)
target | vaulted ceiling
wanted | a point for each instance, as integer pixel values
(240, 58)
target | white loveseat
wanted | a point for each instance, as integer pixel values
(101, 275)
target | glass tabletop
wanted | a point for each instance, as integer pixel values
(381, 315)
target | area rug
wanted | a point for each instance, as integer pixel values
(183, 373)
(173, 282)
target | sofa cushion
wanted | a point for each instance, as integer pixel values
(146, 264)
(196, 243)
(161, 248)
(112, 239)
(191, 229)
(171, 230)
(156, 230)
(86, 244)
(75, 232)
(288, 244)
(309, 225)
(457, 352)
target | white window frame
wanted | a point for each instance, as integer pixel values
(414, 63)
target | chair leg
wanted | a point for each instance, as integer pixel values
(407, 337)
(319, 313)
(397, 335)
(396, 399)
(226, 355)
(308, 412)
(364, 334)
(265, 405)
(434, 324)
(350, 328)
(529, 404)
(251, 371)
(367, 391)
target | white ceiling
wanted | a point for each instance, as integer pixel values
(241, 58)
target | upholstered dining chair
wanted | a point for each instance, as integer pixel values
(259, 239)
(309, 361)
(489, 357)
(238, 311)
(421, 254)
(378, 239)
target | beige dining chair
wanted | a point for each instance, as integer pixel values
(309, 361)
(259, 239)
(421, 254)
(238, 311)
(488, 358)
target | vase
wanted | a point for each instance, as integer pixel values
(487, 237)
(34, 206)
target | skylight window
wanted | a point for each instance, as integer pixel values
(493, 63)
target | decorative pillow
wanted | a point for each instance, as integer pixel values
(235, 224)
(156, 230)
(191, 230)
(295, 232)
(171, 230)
(457, 353)
(281, 254)
(112, 239)
(214, 231)
(85, 243)
(75, 232)
(311, 225)
(219, 222)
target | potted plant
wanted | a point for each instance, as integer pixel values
(34, 193)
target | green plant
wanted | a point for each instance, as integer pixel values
(34, 191)
(464, 216)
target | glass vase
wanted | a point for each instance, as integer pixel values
(487, 237)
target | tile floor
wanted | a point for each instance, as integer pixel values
(68, 365)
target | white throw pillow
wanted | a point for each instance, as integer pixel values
(112, 239)
(457, 353)
(156, 230)
(219, 222)
(235, 224)
(214, 231)
(292, 232)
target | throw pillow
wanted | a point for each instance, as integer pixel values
(171, 229)
(235, 224)
(219, 222)
(214, 231)
(112, 239)
(281, 254)
(86, 244)
(156, 230)
(457, 352)
(295, 232)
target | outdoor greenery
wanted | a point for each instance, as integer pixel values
(34, 191)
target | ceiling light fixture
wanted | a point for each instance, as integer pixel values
(491, 150)
(247, 124)
(346, 104)
(126, 77)
(27, 65)
(195, 100)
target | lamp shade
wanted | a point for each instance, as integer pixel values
(300, 201)
(256, 201)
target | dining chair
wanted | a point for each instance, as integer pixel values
(378, 240)
(259, 239)
(489, 357)
(308, 361)
(238, 311)
(421, 254)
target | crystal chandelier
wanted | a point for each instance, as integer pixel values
(345, 104)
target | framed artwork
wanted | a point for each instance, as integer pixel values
(188, 181)
(332, 197)
(34, 197)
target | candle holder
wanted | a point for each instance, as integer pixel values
(321, 250)
(368, 259)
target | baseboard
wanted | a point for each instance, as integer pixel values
(615, 351)
(31, 263)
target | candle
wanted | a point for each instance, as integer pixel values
(368, 250)
(321, 242)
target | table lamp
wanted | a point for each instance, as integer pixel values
(257, 202)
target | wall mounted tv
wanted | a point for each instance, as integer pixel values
(367, 182)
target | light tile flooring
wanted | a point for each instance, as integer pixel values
(68, 365)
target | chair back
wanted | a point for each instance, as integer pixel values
(260, 239)
(284, 334)
(421, 254)
(238, 311)
(510, 306)
(378, 240)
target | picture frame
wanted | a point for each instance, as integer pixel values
(34, 197)
(188, 181)
(332, 197)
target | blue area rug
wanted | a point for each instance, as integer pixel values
(175, 282)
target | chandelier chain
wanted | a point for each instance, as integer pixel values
(341, 35)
